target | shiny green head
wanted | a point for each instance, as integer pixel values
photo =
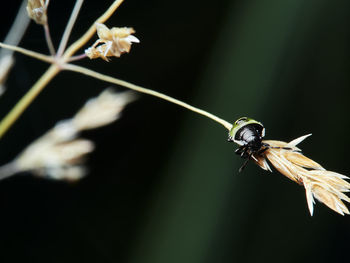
(239, 126)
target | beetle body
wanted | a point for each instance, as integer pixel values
(247, 133)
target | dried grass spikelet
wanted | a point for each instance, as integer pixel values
(54, 156)
(326, 186)
(102, 110)
(36, 10)
(59, 153)
(112, 42)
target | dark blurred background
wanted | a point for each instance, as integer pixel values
(163, 185)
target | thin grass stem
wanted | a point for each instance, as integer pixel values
(49, 40)
(140, 89)
(27, 52)
(77, 57)
(27, 99)
(69, 27)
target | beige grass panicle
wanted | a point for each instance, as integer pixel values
(112, 42)
(326, 186)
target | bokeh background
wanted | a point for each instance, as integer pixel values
(164, 185)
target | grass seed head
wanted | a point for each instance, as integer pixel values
(326, 186)
(112, 42)
(36, 10)
(59, 154)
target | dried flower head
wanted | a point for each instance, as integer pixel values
(111, 42)
(36, 10)
(55, 156)
(59, 154)
(102, 110)
(326, 186)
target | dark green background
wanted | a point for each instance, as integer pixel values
(164, 184)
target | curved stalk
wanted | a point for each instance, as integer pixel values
(134, 87)
(25, 101)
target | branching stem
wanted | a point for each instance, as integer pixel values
(54, 69)
(61, 62)
(91, 31)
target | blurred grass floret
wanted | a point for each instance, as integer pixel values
(59, 154)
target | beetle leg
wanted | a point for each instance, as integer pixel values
(244, 164)
(242, 151)
(239, 150)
